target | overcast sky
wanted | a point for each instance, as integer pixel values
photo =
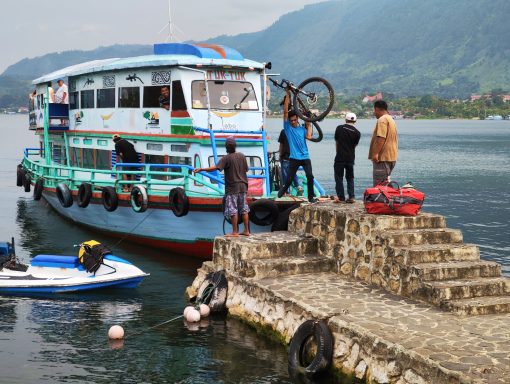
(30, 28)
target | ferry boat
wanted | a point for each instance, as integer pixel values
(214, 93)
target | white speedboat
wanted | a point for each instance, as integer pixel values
(56, 273)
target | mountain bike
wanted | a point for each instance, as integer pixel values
(312, 100)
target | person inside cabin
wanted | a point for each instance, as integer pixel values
(51, 93)
(126, 153)
(164, 99)
(297, 136)
(236, 186)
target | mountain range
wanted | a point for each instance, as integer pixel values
(404, 47)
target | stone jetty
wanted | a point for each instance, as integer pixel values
(405, 299)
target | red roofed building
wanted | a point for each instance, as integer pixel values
(368, 99)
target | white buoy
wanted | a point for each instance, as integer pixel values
(204, 310)
(193, 316)
(186, 310)
(116, 332)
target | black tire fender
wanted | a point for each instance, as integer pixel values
(110, 199)
(139, 199)
(84, 195)
(38, 188)
(213, 291)
(319, 331)
(282, 222)
(179, 202)
(27, 180)
(19, 175)
(64, 195)
(263, 212)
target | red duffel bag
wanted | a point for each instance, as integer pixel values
(390, 199)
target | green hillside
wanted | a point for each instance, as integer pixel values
(403, 47)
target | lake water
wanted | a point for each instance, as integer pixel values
(462, 166)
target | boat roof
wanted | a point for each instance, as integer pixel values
(172, 54)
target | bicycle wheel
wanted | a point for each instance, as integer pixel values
(313, 99)
(319, 132)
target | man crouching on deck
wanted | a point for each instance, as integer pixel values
(236, 186)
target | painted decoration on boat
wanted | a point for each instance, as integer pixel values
(160, 78)
(77, 117)
(225, 74)
(153, 118)
(88, 82)
(106, 118)
(134, 77)
(108, 81)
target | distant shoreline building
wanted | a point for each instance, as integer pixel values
(369, 99)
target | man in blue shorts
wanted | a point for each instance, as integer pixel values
(236, 186)
(299, 157)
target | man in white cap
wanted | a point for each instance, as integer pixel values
(346, 138)
(236, 186)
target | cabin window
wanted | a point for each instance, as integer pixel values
(87, 99)
(103, 159)
(178, 160)
(76, 140)
(157, 159)
(74, 100)
(40, 101)
(88, 158)
(102, 143)
(154, 147)
(129, 97)
(106, 98)
(253, 162)
(178, 100)
(151, 96)
(74, 153)
(224, 95)
(179, 147)
(58, 153)
(87, 141)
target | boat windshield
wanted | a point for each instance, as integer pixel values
(224, 95)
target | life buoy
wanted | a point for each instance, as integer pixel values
(84, 195)
(318, 331)
(139, 198)
(38, 188)
(27, 182)
(263, 212)
(179, 202)
(213, 291)
(282, 221)
(19, 175)
(64, 195)
(110, 199)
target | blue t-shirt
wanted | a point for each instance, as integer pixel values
(296, 136)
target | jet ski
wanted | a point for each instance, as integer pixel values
(95, 267)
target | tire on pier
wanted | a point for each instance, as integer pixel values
(179, 202)
(64, 195)
(263, 212)
(139, 199)
(110, 199)
(38, 188)
(213, 291)
(84, 195)
(299, 350)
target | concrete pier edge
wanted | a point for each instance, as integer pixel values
(419, 329)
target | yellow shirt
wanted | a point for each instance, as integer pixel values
(387, 129)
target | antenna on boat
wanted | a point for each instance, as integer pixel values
(170, 25)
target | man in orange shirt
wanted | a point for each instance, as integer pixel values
(384, 145)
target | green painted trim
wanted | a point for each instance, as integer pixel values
(182, 130)
(181, 120)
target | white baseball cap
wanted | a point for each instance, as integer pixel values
(350, 117)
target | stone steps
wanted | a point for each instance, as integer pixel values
(437, 292)
(432, 253)
(421, 221)
(259, 269)
(456, 270)
(400, 238)
(485, 305)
